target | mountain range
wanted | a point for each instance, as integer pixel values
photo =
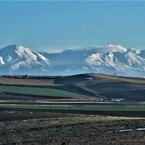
(111, 59)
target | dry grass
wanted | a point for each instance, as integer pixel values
(28, 81)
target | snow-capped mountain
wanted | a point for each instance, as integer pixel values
(16, 59)
(72, 61)
(128, 62)
(111, 59)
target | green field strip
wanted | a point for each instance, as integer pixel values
(74, 107)
(40, 91)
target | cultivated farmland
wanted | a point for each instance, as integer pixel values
(39, 91)
(85, 109)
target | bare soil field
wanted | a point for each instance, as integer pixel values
(64, 111)
(14, 115)
(62, 129)
(55, 110)
(34, 113)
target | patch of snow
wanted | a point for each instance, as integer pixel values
(43, 58)
(1, 61)
(94, 59)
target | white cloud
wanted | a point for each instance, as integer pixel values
(116, 48)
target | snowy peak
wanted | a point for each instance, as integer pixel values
(15, 47)
(122, 61)
(16, 58)
(17, 50)
(20, 52)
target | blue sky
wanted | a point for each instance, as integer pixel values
(51, 25)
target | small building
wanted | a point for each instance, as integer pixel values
(89, 78)
(117, 99)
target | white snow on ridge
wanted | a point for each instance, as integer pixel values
(25, 52)
(43, 58)
(94, 59)
(16, 58)
(1, 61)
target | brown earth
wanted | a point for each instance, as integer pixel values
(62, 129)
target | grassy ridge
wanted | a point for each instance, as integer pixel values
(74, 107)
(39, 91)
